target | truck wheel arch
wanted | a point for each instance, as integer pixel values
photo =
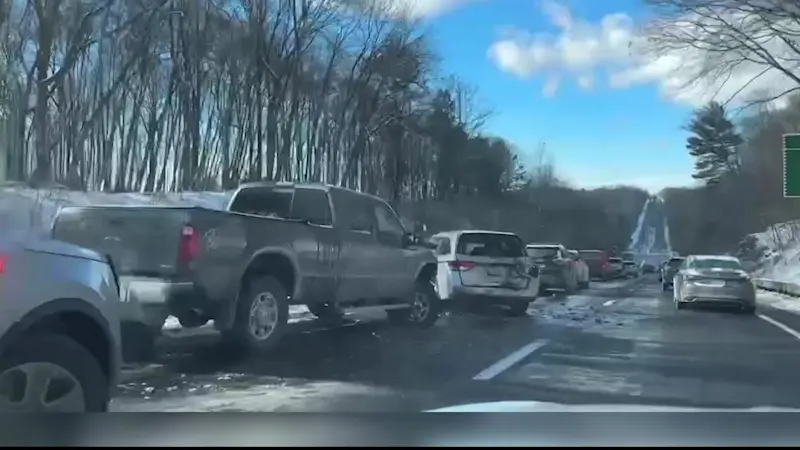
(275, 262)
(426, 271)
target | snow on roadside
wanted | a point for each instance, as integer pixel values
(639, 222)
(172, 327)
(775, 252)
(666, 235)
(779, 301)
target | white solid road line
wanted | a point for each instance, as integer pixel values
(507, 362)
(780, 325)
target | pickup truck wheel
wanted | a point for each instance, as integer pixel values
(262, 314)
(424, 311)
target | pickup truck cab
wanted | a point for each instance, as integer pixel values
(276, 245)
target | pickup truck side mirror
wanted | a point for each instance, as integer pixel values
(409, 239)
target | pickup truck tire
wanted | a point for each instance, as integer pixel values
(56, 357)
(424, 311)
(262, 315)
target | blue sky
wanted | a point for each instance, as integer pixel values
(605, 123)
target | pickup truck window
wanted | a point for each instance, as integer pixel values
(266, 201)
(312, 205)
(361, 221)
(389, 229)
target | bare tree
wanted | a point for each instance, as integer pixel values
(726, 40)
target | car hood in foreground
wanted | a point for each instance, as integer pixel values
(531, 406)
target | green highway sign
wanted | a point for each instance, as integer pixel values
(791, 165)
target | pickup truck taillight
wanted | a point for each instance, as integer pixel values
(189, 246)
(460, 266)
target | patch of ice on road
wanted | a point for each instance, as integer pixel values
(779, 301)
(172, 326)
(286, 397)
(616, 284)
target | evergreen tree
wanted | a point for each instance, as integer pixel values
(713, 144)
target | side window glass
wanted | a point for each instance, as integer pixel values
(388, 228)
(361, 220)
(443, 246)
(312, 205)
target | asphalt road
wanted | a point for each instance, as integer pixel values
(618, 342)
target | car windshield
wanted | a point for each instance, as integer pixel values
(675, 263)
(263, 178)
(489, 244)
(542, 252)
(709, 263)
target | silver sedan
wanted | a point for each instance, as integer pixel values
(714, 280)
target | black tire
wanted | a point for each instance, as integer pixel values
(664, 287)
(679, 306)
(138, 342)
(239, 336)
(518, 308)
(69, 355)
(405, 317)
(585, 285)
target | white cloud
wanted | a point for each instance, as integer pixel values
(618, 49)
(426, 8)
(586, 82)
(551, 86)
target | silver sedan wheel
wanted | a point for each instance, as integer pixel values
(40, 387)
(263, 316)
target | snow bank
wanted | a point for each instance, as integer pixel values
(24, 210)
(636, 235)
(779, 301)
(774, 253)
(666, 235)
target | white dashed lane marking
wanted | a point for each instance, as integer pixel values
(780, 325)
(509, 361)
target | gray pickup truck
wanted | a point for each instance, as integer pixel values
(276, 245)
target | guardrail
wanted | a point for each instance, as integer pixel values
(782, 287)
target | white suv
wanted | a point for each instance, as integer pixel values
(59, 328)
